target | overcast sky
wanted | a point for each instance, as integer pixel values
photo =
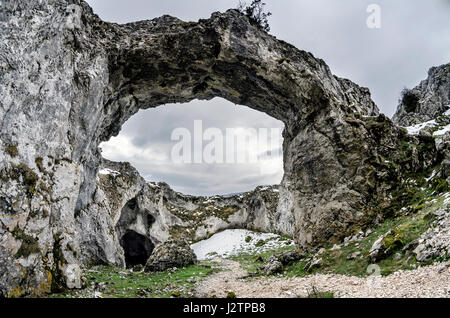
(414, 36)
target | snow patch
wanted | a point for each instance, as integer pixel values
(107, 171)
(233, 242)
(442, 131)
(414, 130)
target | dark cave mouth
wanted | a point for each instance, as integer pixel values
(137, 248)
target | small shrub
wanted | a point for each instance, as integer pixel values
(176, 294)
(260, 243)
(248, 239)
(39, 163)
(318, 294)
(12, 150)
(255, 12)
(231, 295)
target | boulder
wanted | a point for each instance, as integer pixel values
(171, 254)
(276, 263)
(273, 266)
(385, 245)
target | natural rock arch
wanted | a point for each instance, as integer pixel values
(165, 60)
(69, 81)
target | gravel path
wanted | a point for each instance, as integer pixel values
(429, 281)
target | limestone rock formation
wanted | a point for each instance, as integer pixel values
(426, 101)
(170, 254)
(68, 81)
(436, 241)
(126, 207)
(385, 246)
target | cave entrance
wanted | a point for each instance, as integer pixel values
(222, 148)
(137, 248)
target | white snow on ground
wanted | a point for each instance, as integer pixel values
(442, 131)
(232, 242)
(414, 130)
(109, 171)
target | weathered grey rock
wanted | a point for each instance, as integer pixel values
(69, 81)
(170, 254)
(432, 98)
(314, 263)
(276, 263)
(435, 242)
(273, 266)
(385, 245)
(353, 255)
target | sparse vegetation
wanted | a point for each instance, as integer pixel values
(231, 295)
(252, 262)
(115, 282)
(315, 293)
(12, 150)
(255, 12)
(405, 229)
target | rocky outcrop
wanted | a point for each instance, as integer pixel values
(276, 263)
(68, 81)
(427, 101)
(385, 245)
(170, 254)
(435, 242)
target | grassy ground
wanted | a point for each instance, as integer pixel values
(409, 227)
(114, 282)
(108, 281)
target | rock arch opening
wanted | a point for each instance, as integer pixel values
(202, 147)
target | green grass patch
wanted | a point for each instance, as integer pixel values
(319, 294)
(121, 283)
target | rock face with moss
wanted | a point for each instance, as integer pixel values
(426, 101)
(69, 81)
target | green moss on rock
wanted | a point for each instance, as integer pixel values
(30, 178)
(12, 150)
